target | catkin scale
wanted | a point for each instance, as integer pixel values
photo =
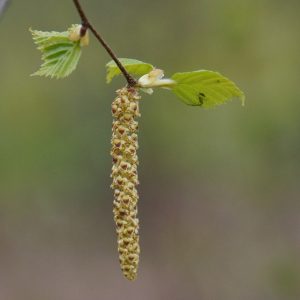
(125, 109)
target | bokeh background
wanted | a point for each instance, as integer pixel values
(220, 195)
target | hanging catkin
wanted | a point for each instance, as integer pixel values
(125, 109)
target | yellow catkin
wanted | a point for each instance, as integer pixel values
(125, 109)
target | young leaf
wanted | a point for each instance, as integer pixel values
(60, 54)
(132, 66)
(205, 88)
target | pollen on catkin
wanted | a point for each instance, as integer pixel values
(125, 109)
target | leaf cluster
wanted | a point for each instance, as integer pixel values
(197, 88)
(61, 52)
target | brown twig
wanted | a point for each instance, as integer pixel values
(87, 25)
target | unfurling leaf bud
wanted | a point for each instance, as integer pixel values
(75, 35)
(124, 174)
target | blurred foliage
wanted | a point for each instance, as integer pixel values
(219, 189)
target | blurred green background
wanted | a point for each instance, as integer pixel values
(219, 207)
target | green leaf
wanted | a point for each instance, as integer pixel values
(132, 66)
(205, 88)
(60, 55)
